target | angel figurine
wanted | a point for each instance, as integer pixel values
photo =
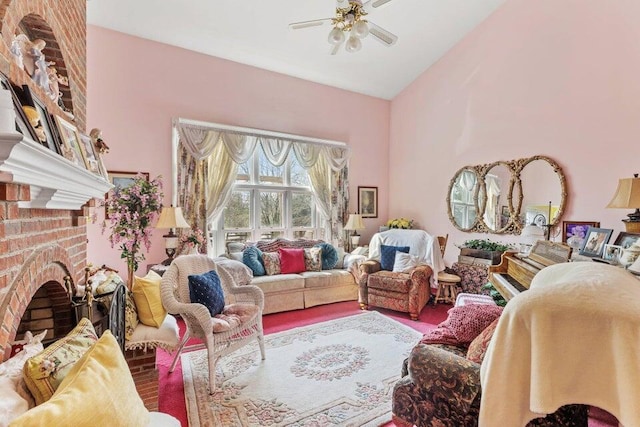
(31, 54)
(18, 47)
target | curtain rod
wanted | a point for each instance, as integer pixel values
(256, 132)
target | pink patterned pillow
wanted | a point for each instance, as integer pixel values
(463, 324)
(271, 262)
(478, 346)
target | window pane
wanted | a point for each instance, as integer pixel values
(303, 234)
(244, 172)
(301, 210)
(271, 234)
(237, 214)
(237, 236)
(271, 209)
(299, 176)
(269, 174)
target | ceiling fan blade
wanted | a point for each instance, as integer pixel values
(335, 49)
(382, 35)
(307, 24)
(374, 4)
(341, 4)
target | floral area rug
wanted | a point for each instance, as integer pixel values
(335, 373)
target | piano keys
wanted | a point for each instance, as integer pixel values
(514, 273)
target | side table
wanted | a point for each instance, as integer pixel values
(473, 277)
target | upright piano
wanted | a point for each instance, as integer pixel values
(515, 271)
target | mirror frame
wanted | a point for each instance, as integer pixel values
(514, 224)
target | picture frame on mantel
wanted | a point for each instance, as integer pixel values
(22, 121)
(47, 127)
(71, 147)
(596, 238)
(368, 202)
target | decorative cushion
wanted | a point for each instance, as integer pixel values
(44, 372)
(313, 259)
(329, 255)
(478, 346)
(130, 315)
(146, 294)
(463, 324)
(233, 316)
(206, 289)
(252, 258)
(341, 255)
(404, 262)
(147, 337)
(291, 260)
(388, 255)
(98, 390)
(111, 280)
(271, 263)
(240, 273)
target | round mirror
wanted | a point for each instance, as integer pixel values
(462, 198)
(497, 187)
(543, 190)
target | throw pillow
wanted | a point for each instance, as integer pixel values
(271, 263)
(146, 294)
(478, 346)
(291, 260)
(240, 273)
(44, 372)
(404, 262)
(329, 255)
(252, 258)
(206, 289)
(98, 390)
(388, 255)
(463, 324)
(313, 259)
(130, 316)
(341, 255)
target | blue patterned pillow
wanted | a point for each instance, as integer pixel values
(252, 258)
(207, 290)
(329, 255)
(388, 255)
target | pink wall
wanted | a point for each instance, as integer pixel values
(136, 86)
(559, 78)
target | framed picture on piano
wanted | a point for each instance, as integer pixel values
(595, 239)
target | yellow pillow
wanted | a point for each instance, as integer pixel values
(98, 391)
(44, 372)
(146, 294)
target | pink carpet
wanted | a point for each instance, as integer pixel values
(171, 399)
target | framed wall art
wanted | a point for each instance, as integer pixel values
(22, 121)
(612, 253)
(91, 156)
(626, 240)
(124, 179)
(44, 125)
(368, 202)
(574, 232)
(71, 147)
(594, 242)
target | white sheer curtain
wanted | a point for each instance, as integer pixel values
(225, 150)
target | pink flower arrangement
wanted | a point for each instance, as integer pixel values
(192, 238)
(131, 211)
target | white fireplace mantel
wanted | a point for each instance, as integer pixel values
(55, 182)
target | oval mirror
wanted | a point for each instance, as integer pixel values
(462, 199)
(543, 191)
(497, 189)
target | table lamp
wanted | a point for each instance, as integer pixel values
(627, 196)
(171, 218)
(354, 223)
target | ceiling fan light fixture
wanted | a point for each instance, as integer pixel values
(353, 44)
(360, 29)
(336, 36)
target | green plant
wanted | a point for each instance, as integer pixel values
(400, 223)
(485, 245)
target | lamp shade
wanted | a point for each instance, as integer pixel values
(627, 194)
(355, 222)
(172, 218)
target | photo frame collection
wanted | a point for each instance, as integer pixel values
(52, 131)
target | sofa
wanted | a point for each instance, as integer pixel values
(440, 384)
(294, 291)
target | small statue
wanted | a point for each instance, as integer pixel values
(98, 142)
(18, 46)
(41, 74)
(32, 54)
(54, 81)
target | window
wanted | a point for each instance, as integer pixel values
(462, 202)
(268, 201)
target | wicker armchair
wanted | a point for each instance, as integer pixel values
(239, 323)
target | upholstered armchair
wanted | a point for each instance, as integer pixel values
(407, 290)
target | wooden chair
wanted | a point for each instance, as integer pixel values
(242, 302)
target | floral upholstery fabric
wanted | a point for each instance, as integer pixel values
(313, 259)
(271, 262)
(478, 346)
(274, 245)
(473, 277)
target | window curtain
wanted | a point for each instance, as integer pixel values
(211, 159)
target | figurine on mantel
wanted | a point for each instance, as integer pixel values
(55, 80)
(98, 142)
(18, 47)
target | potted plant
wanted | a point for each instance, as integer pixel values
(485, 249)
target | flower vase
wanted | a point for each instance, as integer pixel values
(194, 250)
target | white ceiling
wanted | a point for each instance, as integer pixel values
(256, 32)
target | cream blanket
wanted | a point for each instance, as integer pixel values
(421, 244)
(574, 337)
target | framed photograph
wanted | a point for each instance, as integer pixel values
(368, 202)
(91, 156)
(124, 179)
(612, 253)
(72, 147)
(594, 242)
(22, 121)
(626, 240)
(46, 130)
(574, 232)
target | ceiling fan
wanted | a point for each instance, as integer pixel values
(350, 26)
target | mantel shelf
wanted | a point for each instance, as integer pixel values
(55, 182)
